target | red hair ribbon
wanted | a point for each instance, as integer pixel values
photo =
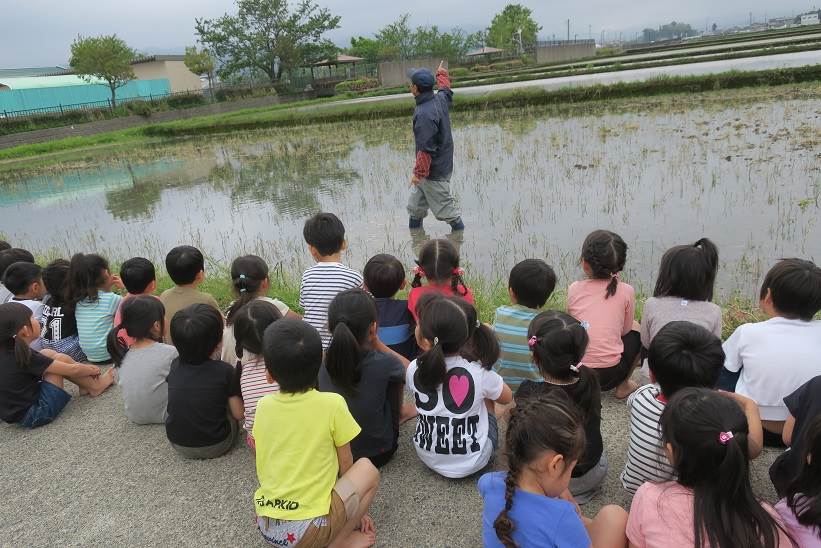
(458, 271)
(417, 271)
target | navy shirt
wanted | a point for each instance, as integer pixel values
(396, 322)
(431, 129)
(20, 386)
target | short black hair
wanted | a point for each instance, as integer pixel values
(293, 354)
(685, 355)
(795, 286)
(55, 278)
(14, 255)
(688, 271)
(183, 263)
(383, 275)
(19, 276)
(325, 232)
(137, 274)
(4, 245)
(532, 281)
(196, 331)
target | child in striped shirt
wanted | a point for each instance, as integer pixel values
(531, 283)
(681, 355)
(250, 323)
(325, 235)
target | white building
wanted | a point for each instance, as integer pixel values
(810, 19)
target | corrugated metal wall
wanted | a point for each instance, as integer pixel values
(44, 98)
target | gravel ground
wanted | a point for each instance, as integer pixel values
(93, 478)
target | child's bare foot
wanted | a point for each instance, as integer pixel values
(358, 539)
(407, 412)
(625, 389)
(101, 383)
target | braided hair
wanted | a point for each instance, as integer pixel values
(539, 424)
(439, 263)
(247, 275)
(606, 254)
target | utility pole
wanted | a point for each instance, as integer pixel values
(568, 30)
(751, 19)
(590, 31)
(602, 37)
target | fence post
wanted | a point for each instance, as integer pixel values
(111, 106)
(61, 109)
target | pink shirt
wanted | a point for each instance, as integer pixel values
(804, 535)
(607, 320)
(118, 316)
(662, 516)
(417, 292)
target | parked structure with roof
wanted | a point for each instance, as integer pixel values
(169, 67)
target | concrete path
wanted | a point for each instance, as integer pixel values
(92, 478)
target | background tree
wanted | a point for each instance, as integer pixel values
(200, 63)
(397, 39)
(266, 36)
(507, 23)
(105, 58)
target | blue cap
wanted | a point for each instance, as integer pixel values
(422, 77)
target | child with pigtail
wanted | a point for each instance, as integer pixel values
(557, 343)
(528, 505)
(438, 263)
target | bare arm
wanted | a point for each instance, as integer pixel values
(385, 349)
(506, 396)
(236, 406)
(756, 436)
(73, 370)
(789, 427)
(345, 458)
(294, 315)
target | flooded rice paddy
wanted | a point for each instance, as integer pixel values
(531, 182)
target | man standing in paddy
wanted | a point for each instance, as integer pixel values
(430, 184)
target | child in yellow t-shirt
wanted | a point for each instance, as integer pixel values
(311, 493)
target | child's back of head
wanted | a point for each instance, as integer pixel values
(707, 437)
(196, 332)
(685, 355)
(532, 281)
(804, 492)
(606, 253)
(250, 323)
(142, 317)
(384, 276)
(442, 322)
(184, 264)
(794, 285)
(248, 276)
(482, 346)
(352, 321)
(4, 245)
(438, 262)
(13, 318)
(293, 354)
(55, 278)
(325, 233)
(688, 271)
(13, 255)
(20, 277)
(138, 275)
(87, 274)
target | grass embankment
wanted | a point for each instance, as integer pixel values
(489, 296)
(281, 116)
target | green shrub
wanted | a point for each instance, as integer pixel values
(507, 65)
(527, 59)
(460, 72)
(232, 94)
(360, 84)
(185, 101)
(140, 108)
(481, 68)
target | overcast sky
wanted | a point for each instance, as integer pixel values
(39, 32)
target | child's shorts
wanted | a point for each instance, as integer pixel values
(314, 532)
(70, 346)
(51, 402)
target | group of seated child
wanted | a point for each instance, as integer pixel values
(321, 397)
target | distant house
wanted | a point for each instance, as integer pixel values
(169, 67)
(810, 19)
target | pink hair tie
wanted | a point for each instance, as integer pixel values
(724, 437)
(458, 271)
(531, 342)
(417, 271)
(615, 275)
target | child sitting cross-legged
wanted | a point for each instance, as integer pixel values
(531, 283)
(384, 277)
(456, 435)
(59, 329)
(139, 278)
(682, 355)
(204, 402)
(25, 281)
(249, 324)
(558, 342)
(185, 265)
(31, 382)
(438, 263)
(528, 505)
(708, 438)
(367, 374)
(7, 258)
(316, 501)
(143, 366)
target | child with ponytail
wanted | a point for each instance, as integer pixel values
(707, 438)
(558, 342)
(31, 382)
(366, 373)
(605, 306)
(455, 434)
(143, 367)
(438, 263)
(248, 327)
(89, 285)
(528, 505)
(249, 279)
